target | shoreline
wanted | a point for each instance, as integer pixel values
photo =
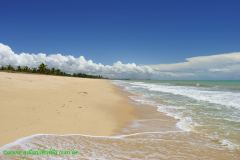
(147, 131)
(33, 104)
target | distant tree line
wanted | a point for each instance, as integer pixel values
(43, 69)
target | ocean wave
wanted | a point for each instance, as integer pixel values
(230, 145)
(137, 146)
(219, 106)
(226, 98)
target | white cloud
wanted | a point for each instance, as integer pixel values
(221, 66)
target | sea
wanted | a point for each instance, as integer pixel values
(176, 120)
(211, 108)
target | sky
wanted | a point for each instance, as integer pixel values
(160, 39)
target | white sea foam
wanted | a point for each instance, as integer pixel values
(215, 104)
(138, 146)
(184, 123)
(229, 144)
(143, 100)
(28, 139)
(226, 98)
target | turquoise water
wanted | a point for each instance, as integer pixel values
(210, 108)
(223, 84)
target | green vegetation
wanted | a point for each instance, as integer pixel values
(43, 69)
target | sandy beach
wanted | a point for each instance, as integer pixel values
(40, 104)
(94, 117)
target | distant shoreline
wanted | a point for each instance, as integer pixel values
(43, 69)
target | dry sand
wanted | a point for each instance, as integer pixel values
(40, 104)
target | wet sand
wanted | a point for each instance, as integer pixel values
(40, 104)
(155, 136)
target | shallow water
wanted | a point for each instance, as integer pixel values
(210, 108)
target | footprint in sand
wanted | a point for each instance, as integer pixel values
(58, 112)
(84, 93)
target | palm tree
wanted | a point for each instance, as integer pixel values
(52, 71)
(10, 68)
(26, 69)
(34, 70)
(42, 68)
(3, 68)
(19, 68)
(58, 71)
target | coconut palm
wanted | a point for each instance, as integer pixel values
(42, 68)
(19, 68)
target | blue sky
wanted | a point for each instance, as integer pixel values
(132, 31)
(156, 39)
